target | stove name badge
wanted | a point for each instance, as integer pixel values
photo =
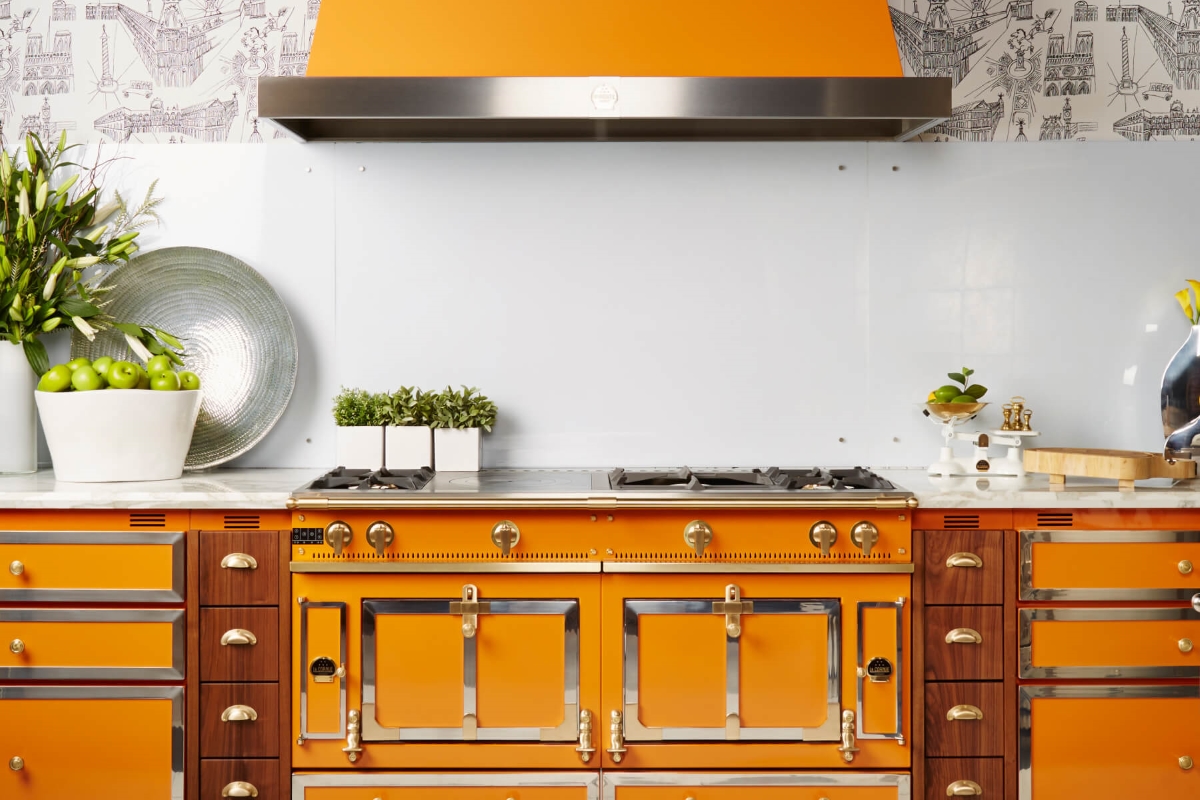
(324, 669)
(879, 670)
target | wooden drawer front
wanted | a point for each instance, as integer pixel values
(966, 660)
(91, 644)
(964, 719)
(87, 567)
(239, 568)
(239, 662)
(982, 777)
(1110, 565)
(448, 786)
(964, 567)
(1109, 742)
(1110, 643)
(239, 719)
(735, 786)
(99, 743)
(262, 774)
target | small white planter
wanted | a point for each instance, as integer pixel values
(118, 434)
(409, 446)
(456, 449)
(18, 415)
(360, 447)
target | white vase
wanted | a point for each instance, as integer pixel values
(456, 449)
(360, 447)
(18, 414)
(409, 446)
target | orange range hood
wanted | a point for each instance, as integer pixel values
(488, 70)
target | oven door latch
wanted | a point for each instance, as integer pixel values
(733, 606)
(470, 607)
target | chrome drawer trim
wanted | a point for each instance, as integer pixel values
(1031, 537)
(178, 643)
(1027, 616)
(612, 780)
(172, 595)
(587, 780)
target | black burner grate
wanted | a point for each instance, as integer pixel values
(368, 480)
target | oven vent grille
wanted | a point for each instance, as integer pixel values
(754, 557)
(1055, 519)
(242, 522)
(960, 522)
(453, 557)
(139, 519)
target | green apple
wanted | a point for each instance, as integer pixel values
(159, 364)
(164, 381)
(143, 378)
(102, 364)
(76, 363)
(56, 379)
(123, 375)
(189, 381)
(86, 379)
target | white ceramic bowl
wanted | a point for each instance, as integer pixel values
(118, 434)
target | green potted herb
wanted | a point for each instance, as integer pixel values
(360, 417)
(458, 418)
(409, 440)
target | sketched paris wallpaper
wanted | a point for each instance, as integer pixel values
(151, 71)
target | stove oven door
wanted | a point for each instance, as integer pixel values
(732, 670)
(490, 670)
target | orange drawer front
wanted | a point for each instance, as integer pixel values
(100, 743)
(1110, 565)
(1149, 750)
(1110, 643)
(91, 644)
(727, 786)
(91, 567)
(450, 786)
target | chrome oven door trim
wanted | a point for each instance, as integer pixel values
(304, 732)
(172, 673)
(1027, 694)
(172, 693)
(1031, 537)
(520, 780)
(756, 780)
(898, 734)
(567, 731)
(829, 731)
(1028, 616)
(421, 567)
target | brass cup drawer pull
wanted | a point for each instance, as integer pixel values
(16, 763)
(1185, 645)
(964, 789)
(239, 789)
(16, 646)
(16, 568)
(239, 713)
(238, 636)
(964, 636)
(964, 560)
(1185, 567)
(239, 561)
(964, 712)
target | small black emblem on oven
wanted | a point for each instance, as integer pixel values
(879, 670)
(324, 669)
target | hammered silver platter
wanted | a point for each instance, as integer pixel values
(236, 332)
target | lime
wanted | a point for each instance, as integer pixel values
(945, 394)
(977, 390)
(964, 398)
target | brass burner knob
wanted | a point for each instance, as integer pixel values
(379, 536)
(823, 535)
(864, 535)
(338, 535)
(698, 535)
(1185, 762)
(505, 535)
(16, 646)
(1185, 645)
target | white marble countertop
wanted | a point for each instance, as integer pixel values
(270, 488)
(217, 488)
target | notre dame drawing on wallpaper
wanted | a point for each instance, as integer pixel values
(1055, 70)
(168, 71)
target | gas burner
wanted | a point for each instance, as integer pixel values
(367, 480)
(832, 479)
(684, 478)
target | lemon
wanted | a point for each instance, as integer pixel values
(932, 398)
(945, 394)
(964, 398)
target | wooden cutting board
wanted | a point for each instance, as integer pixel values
(1125, 466)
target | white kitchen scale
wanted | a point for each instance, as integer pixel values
(980, 463)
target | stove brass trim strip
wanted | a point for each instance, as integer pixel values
(172, 693)
(420, 780)
(691, 500)
(1027, 694)
(755, 780)
(898, 676)
(735, 568)
(1031, 537)
(1028, 616)
(829, 731)
(402, 567)
(305, 605)
(567, 731)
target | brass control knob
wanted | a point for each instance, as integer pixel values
(823, 535)
(337, 535)
(16, 568)
(379, 536)
(16, 763)
(16, 646)
(505, 535)
(698, 535)
(864, 535)
(1185, 762)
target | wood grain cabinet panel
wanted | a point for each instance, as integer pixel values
(945, 775)
(966, 660)
(262, 774)
(964, 568)
(964, 719)
(239, 662)
(256, 737)
(238, 568)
